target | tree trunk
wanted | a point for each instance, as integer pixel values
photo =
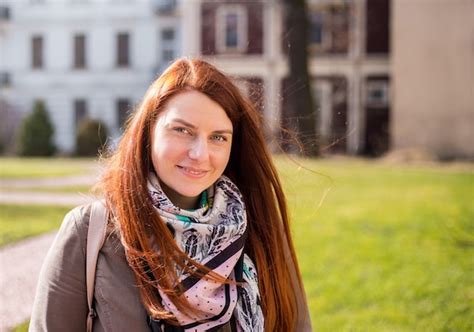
(300, 112)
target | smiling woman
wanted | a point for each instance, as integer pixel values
(198, 236)
(190, 150)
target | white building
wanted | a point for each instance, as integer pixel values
(84, 58)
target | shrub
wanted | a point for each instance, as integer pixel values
(36, 133)
(91, 136)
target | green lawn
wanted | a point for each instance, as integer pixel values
(381, 247)
(13, 168)
(21, 221)
(22, 328)
(65, 189)
(390, 248)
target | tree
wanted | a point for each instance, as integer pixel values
(300, 111)
(90, 138)
(36, 133)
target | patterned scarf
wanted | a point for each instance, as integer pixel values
(213, 235)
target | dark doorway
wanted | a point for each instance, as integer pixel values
(338, 141)
(377, 136)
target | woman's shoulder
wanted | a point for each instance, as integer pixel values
(73, 233)
(81, 214)
(78, 216)
(74, 227)
(76, 221)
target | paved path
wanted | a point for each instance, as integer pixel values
(10, 194)
(20, 265)
(48, 182)
(40, 198)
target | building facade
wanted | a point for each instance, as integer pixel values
(83, 58)
(349, 63)
(377, 71)
(95, 58)
(433, 77)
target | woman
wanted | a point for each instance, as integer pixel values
(199, 234)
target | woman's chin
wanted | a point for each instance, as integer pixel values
(192, 190)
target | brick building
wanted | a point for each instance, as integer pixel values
(349, 63)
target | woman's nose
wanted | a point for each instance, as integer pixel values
(199, 150)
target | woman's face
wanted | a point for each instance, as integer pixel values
(191, 143)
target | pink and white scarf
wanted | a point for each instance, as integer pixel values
(213, 235)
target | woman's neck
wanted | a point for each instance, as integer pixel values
(183, 202)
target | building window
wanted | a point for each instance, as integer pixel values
(378, 27)
(377, 93)
(4, 13)
(167, 34)
(79, 51)
(322, 91)
(165, 7)
(231, 29)
(80, 111)
(123, 106)
(168, 45)
(123, 56)
(37, 52)
(316, 28)
(319, 36)
(5, 79)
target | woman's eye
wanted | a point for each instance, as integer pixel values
(181, 130)
(219, 138)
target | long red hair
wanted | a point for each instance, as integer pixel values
(250, 167)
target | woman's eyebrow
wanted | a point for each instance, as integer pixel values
(187, 124)
(223, 131)
(190, 125)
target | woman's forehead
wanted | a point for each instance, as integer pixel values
(195, 108)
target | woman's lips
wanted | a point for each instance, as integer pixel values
(192, 172)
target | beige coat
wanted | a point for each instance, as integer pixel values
(61, 300)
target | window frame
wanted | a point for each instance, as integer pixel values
(168, 44)
(77, 116)
(37, 51)
(123, 60)
(242, 28)
(326, 36)
(374, 85)
(80, 59)
(122, 118)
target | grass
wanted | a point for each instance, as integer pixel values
(18, 222)
(390, 249)
(381, 247)
(65, 189)
(14, 168)
(22, 327)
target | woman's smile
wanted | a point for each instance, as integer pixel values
(192, 172)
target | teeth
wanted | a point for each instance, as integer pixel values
(192, 171)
